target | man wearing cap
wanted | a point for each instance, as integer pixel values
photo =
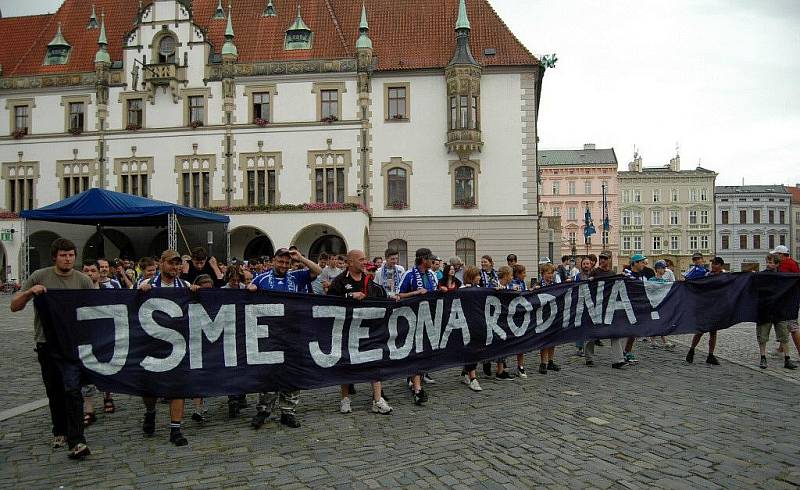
(167, 277)
(787, 263)
(636, 270)
(419, 280)
(279, 278)
(695, 272)
(698, 269)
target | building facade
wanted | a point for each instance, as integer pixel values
(327, 126)
(795, 232)
(751, 221)
(666, 213)
(572, 182)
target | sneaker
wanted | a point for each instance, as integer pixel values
(424, 395)
(426, 378)
(289, 420)
(763, 363)
(552, 366)
(579, 353)
(619, 365)
(344, 405)
(504, 375)
(487, 368)
(542, 368)
(200, 418)
(149, 424)
(690, 356)
(259, 419)
(712, 359)
(420, 398)
(521, 372)
(80, 451)
(630, 358)
(590, 363)
(59, 442)
(474, 385)
(466, 379)
(176, 437)
(788, 364)
(598, 343)
(381, 407)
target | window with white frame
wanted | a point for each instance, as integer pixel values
(637, 195)
(571, 187)
(674, 217)
(675, 242)
(20, 185)
(637, 218)
(693, 242)
(693, 195)
(626, 218)
(703, 217)
(704, 194)
(637, 242)
(133, 175)
(656, 217)
(656, 195)
(556, 211)
(194, 179)
(692, 217)
(556, 187)
(76, 177)
(783, 240)
(572, 237)
(674, 195)
(725, 242)
(656, 243)
(626, 243)
(587, 187)
(572, 213)
(704, 242)
(626, 196)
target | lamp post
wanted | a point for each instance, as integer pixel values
(574, 250)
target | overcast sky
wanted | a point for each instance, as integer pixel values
(720, 78)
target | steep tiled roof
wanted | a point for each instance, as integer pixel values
(577, 157)
(406, 34)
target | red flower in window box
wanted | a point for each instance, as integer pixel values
(196, 124)
(329, 119)
(133, 127)
(398, 205)
(75, 131)
(466, 203)
(18, 134)
(399, 117)
(261, 122)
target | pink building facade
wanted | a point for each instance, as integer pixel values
(571, 182)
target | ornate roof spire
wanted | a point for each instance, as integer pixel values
(102, 55)
(58, 39)
(363, 39)
(298, 35)
(269, 11)
(92, 24)
(463, 55)
(229, 48)
(219, 13)
(463, 20)
(298, 24)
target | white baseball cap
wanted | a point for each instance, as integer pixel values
(780, 249)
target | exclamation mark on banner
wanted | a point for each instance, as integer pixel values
(656, 292)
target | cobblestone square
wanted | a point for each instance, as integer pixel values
(662, 424)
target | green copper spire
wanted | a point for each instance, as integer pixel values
(298, 24)
(269, 11)
(92, 24)
(463, 20)
(219, 13)
(58, 39)
(102, 55)
(229, 48)
(363, 39)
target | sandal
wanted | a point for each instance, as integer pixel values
(89, 418)
(108, 405)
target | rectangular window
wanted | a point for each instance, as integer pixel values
(20, 192)
(397, 103)
(657, 195)
(134, 183)
(474, 115)
(463, 109)
(626, 196)
(725, 217)
(703, 217)
(742, 242)
(21, 118)
(704, 242)
(637, 242)
(453, 113)
(587, 187)
(637, 195)
(556, 188)
(704, 194)
(260, 107)
(571, 187)
(329, 185)
(742, 216)
(692, 242)
(556, 211)
(76, 116)
(675, 242)
(626, 243)
(656, 217)
(692, 217)
(135, 113)
(726, 242)
(771, 241)
(771, 216)
(783, 240)
(693, 195)
(196, 189)
(674, 195)
(656, 243)
(261, 187)
(674, 217)
(572, 213)
(197, 109)
(756, 216)
(757, 242)
(782, 217)
(330, 103)
(637, 218)
(626, 218)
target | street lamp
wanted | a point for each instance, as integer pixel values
(574, 250)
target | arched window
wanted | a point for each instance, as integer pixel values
(402, 250)
(464, 186)
(396, 181)
(465, 249)
(166, 49)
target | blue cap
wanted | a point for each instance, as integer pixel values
(661, 264)
(637, 258)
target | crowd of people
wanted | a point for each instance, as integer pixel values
(352, 276)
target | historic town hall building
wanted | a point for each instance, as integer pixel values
(321, 123)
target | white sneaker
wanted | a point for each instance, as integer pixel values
(344, 406)
(427, 379)
(474, 385)
(521, 372)
(381, 407)
(466, 379)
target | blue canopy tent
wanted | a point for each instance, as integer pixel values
(107, 223)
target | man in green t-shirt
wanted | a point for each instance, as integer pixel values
(61, 382)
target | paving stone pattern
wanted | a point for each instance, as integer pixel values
(661, 424)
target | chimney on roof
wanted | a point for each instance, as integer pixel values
(588, 146)
(636, 164)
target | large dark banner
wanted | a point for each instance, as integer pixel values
(171, 342)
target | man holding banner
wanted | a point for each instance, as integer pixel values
(279, 278)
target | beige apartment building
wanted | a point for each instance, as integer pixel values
(666, 212)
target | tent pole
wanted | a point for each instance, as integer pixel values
(26, 252)
(227, 243)
(172, 239)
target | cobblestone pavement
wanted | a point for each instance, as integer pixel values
(661, 424)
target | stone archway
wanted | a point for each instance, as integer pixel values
(108, 243)
(315, 239)
(39, 249)
(249, 242)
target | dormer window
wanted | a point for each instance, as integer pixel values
(57, 50)
(298, 35)
(166, 50)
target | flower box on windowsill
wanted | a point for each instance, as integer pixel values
(260, 122)
(133, 127)
(196, 124)
(18, 134)
(399, 117)
(75, 131)
(399, 205)
(466, 203)
(329, 119)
